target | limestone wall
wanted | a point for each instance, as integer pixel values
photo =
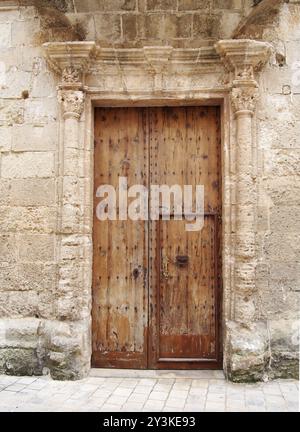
(33, 336)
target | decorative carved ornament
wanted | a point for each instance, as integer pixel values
(71, 75)
(241, 57)
(244, 98)
(72, 102)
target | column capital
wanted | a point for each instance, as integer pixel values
(243, 57)
(72, 102)
(70, 60)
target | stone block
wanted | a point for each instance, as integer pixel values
(16, 81)
(103, 6)
(27, 219)
(20, 361)
(278, 301)
(178, 26)
(108, 27)
(36, 247)
(32, 192)
(206, 26)
(11, 112)
(282, 246)
(229, 23)
(28, 277)
(151, 26)
(129, 26)
(284, 335)
(5, 35)
(26, 165)
(227, 4)
(4, 191)
(248, 350)
(193, 5)
(35, 138)
(154, 5)
(8, 250)
(43, 85)
(19, 333)
(24, 32)
(285, 219)
(9, 15)
(288, 270)
(40, 111)
(283, 162)
(18, 304)
(283, 191)
(5, 138)
(282, 134)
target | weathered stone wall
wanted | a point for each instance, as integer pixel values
(180, 23)
(35, 333)
(275, 350)
(278, 183)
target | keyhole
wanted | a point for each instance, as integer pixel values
(135, 273)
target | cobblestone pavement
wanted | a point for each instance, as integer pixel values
(110, 391)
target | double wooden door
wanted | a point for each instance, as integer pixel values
(157, 286)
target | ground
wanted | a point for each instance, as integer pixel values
(123, 391)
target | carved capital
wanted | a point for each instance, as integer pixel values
(244, 99)
(70, 60)
(72, 102)
(243, 56)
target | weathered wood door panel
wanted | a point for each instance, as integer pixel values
(120, 265)
(184, 314)
(156, 286)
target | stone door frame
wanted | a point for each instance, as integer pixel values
(224, 75)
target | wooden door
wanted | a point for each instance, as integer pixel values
(185, 265)
(156, 286)
(120, 265)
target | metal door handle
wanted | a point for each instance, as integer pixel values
(182, 260)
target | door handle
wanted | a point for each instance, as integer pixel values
(164, 267)
(182, 260)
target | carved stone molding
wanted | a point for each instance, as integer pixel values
(91, 76)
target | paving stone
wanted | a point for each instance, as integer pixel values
(116, 400)
(127, 394)
(153, 405)
(15, 387)
(141, 389)
(122, 391)
(176, 403)
(110, 407)
(194, 407)
(215, 406)
(158, 395)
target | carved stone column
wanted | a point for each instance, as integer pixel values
(70, 352)
(243, 58)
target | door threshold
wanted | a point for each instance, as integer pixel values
(149, 373)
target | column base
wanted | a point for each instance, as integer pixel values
(260, 351)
